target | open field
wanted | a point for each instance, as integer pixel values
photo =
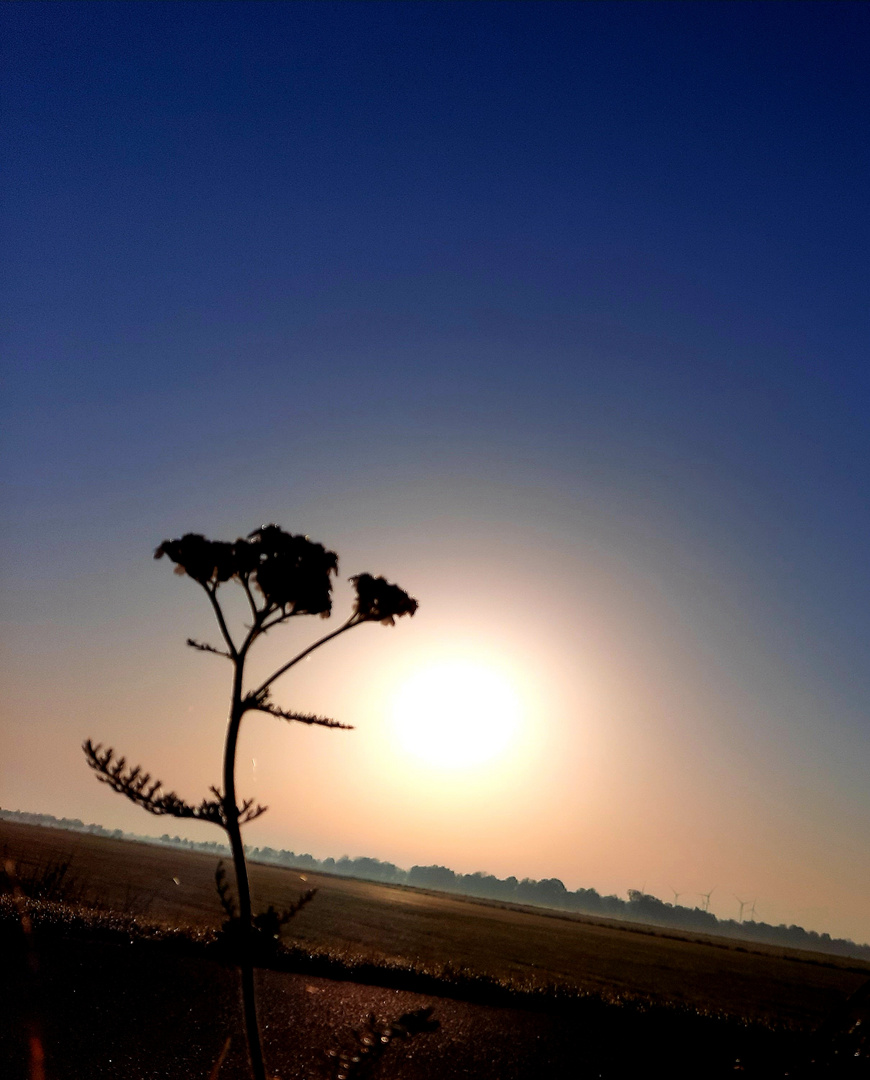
(355, 920)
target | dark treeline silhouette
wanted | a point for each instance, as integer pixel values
(24, 817)
(640, 907)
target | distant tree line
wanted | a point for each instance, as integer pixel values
(77, 825)
(640, 907)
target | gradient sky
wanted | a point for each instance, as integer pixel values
(555, 314)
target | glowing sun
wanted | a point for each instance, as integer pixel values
(455, 714)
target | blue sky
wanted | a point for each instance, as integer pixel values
(557, 313)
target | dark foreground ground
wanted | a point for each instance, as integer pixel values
(107, 994)
(143, 1012)
(102, 1003)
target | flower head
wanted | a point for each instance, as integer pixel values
(207, 561)
(292, 572)
(379, 601)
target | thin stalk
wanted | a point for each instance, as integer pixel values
(231, 645)
(351, 622)
(231, 813)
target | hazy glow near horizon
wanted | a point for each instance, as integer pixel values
(532, 341)
(455, 714)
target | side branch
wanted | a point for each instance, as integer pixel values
(272, 920)
(222, 623)
(139, 788)
(246, 812)
(354, 620)
(302, 718)
(251, 601)
(283, 617)
(203, 647)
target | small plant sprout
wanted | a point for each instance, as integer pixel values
(368, 1043)
(282, 577)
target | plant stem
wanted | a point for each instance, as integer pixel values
(351, 622)
(231, 813)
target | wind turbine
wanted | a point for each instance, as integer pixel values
(752, 911)
(742, 904)
(677, 896)
(705, 896)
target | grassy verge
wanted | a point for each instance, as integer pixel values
(725, 1043)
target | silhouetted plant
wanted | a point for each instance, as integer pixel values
(282, 577)
(266, 926)
(370, 1041)
(47, 879)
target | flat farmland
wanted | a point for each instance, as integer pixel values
(356, 920)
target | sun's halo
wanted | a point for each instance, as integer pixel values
(455, 714)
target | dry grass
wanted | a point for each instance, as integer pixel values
(353, 920)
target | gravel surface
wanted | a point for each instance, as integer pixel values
(102, 1011)
(145, 1012)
